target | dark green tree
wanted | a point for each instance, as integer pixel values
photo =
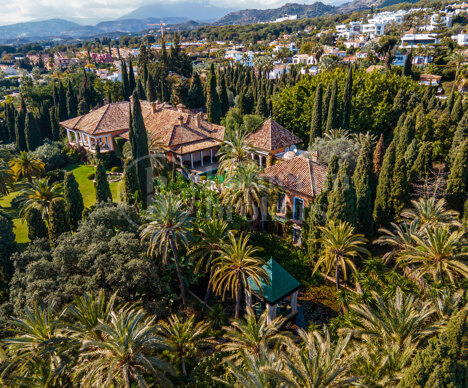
(325, 106)
(316, 124)
(332, 122)
(125, 84)
(332, 172)
(457, 111)
(150, 89)
(383, 209)
(362, 179)
(406, 71)
(411, 154)
(262, 107)
(73, 199)
(62, 103)
(20, 121)
(37, 228)
(399, 105)
(422, 166)
(43, 121)
(457, 181)
(196, 94)
(347, 100)
(32, 132)
(54, 125)
(213, 106)
(443, 362)
(7, 247)
(10, 122)
(461, 134)
(342, 199)
(101, 184)
(130, 181)
(83, 107)
(223, 97)
(72, 102)
(131, 77)
(58, 223)
(140, 90)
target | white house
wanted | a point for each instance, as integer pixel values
(461, 39)
(304, 59)
(349, 30)
(246, 58)
(413, 40)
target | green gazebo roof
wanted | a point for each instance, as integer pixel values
(282, 283)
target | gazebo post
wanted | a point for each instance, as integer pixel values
(271, 312)
(294, 301)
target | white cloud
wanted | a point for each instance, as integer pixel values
(15, 11)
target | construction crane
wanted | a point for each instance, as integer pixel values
(159, 24)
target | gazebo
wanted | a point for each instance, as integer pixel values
(282, 285)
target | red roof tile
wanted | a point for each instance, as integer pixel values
(272, 136)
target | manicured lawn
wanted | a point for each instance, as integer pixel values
(87, 191)
(81, 172)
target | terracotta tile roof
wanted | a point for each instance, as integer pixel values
(272, 136)
(298, 174)
(178, 129)
(107, 119)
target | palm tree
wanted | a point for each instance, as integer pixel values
(249, 335)
(439, 252)
(246, 191)
(396, 319)
(237, 262)
(184, 338)
(430, 212)
(210, 235)
(252, 372)
(340, 246)
(39, 194)
(126, 356)
(317, 362)
(459, 58)
(234, 151)
(7, 179)
(316, 52)
(87, 312)
(38, 350)
(27, 165)
(400, 238)
(170, 225)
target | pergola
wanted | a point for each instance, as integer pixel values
(281, 285)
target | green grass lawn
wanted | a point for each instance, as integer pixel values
(87, 191)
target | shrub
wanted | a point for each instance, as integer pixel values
(55, 175)
(116, 169)
(51, 153)
(72, 155)
(91, 176)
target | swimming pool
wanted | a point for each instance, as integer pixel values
(213, 175)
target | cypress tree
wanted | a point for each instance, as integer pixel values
(457, 111)
(55, 127)
(82, 107)
(140, 90)
(37, 228)
(406, 71)
(8, 246)
(423, 164)
(378, 157)
(73, 199)
(20, 122)
(141, 155)
(262, 107)
(131, 77)
(32, 133)
(150, 89)
(333, 108)
(4, 135)
(196, 94)
(10, 122)
(362, 179)
(325, 106)
(72, 103)
(62, 103)
(404, 136)
(465, 211)
(130, 181)
(383, 209)
(101, 184)
(58, 223)
(316, 124)
(332, 171)
(125, 84)
(399, 105)
(213, 106)
(457, 181)
(460, 135)
(411, 155)
(451, 100)
(44, 121)
(223, 97)
(342, 199)
(399, 188)
(347, 100)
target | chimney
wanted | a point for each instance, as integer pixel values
(153, 105)
(198, 120)
(181, 120)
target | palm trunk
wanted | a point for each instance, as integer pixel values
(208, 291)
(238, 299)
(182, 364)
(337, 279)
(179, 274)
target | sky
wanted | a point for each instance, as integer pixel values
(16, 11)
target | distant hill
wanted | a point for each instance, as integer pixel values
(248, 16)
(359, 5)
(193, 11)
(37, 30)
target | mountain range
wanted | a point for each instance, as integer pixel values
(184, 15)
